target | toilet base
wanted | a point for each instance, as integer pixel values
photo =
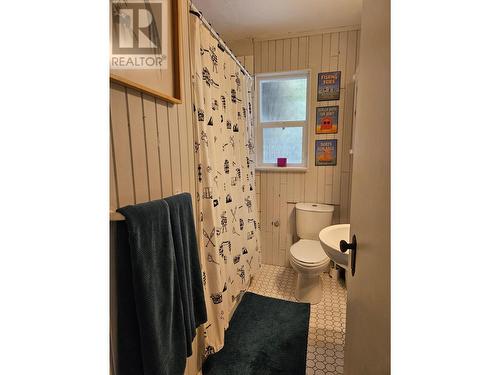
(309, 288)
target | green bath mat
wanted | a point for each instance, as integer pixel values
(265, 336)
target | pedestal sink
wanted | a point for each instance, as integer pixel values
(330, 238)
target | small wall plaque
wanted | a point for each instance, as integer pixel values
(325, 152)
(328, 86)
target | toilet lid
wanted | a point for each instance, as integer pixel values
(308, 251)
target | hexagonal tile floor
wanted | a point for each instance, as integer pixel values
(325, 345)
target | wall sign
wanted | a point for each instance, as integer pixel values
(328, 86)
(146, 44)
(325, 152)
(327, 119)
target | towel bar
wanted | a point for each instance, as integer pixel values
(116, 216)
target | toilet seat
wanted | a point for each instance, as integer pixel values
(308, 253)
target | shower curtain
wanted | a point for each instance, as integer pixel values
(229, 232)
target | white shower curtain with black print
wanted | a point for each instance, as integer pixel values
(229, 234)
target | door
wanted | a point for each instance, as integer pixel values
(367, 348)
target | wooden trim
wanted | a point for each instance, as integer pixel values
(275, 36)
(142, 88)
(177, 47)
(281, 169)
(176, 97)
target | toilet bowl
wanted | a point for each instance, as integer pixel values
(307, 256)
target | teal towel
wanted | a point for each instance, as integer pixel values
(188, 264)
(165, 280)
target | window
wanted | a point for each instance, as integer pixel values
(282, 113)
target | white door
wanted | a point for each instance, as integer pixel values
(367, 349)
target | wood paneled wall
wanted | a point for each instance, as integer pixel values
(277, 192)
(152, 153)
(151, 145)
(151, 141)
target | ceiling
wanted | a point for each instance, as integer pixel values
(241, 19)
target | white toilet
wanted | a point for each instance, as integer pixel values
(307, 257)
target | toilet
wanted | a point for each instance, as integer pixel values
(307, 257)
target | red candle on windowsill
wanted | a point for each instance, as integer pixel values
(281, 162)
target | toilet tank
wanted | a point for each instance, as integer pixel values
(310, 218)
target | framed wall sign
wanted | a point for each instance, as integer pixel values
(146, 47)
(325, 152)
(328, 86)
(327, 119)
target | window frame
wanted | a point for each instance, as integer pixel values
(302, 167)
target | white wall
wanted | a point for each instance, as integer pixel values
(277, 192)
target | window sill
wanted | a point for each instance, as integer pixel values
(282, 169)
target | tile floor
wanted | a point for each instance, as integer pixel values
(325, 346)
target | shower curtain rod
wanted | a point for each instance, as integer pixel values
(198, 14)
